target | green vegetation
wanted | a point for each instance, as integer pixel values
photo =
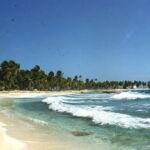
(12, 77)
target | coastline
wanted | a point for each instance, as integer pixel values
(26, 94)
(27, 135)
(19, 134)
(8, 142)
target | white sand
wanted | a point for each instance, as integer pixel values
(32, 137)
(7, 142)
(26, 94)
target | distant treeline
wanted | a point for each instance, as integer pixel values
(12, 77)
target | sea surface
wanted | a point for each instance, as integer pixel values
(121, 120)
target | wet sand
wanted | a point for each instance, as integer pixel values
(20, 134)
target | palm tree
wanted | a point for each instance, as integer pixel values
(59, 80)
(9, 73)
(51, 79)
(39, 78)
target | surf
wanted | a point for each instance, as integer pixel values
(130, 95)
(98, 114)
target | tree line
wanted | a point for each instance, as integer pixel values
(12, 77)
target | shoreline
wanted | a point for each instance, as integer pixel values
(8, 142)
(29, 134)
(17, 133)
(32, 94)
(26, 94)
(26, 135)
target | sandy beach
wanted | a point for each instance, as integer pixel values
(18, 134)
(8, 142)
(25, 94)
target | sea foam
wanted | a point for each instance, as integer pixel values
(98, 114)
(130, 95)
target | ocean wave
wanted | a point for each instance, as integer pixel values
(98, 114)
(38, 121)
(130, 95)
(88, 96)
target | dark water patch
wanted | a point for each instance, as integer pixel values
(81, 133)
(108, 92)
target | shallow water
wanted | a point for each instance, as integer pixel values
(119, 120)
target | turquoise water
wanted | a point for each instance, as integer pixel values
(120, 119)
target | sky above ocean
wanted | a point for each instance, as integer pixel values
(104, 39)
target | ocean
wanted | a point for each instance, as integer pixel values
(115, 121)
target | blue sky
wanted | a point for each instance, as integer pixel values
(104, 39)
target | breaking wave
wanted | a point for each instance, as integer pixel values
(130, 95)
(99, 114)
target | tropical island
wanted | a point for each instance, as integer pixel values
(74, 75)
(13, 77)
